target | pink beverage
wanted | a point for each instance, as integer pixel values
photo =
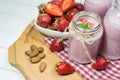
(111, 43)
(98, 6)
(85, 29)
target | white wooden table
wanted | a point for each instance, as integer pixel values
(15, 15)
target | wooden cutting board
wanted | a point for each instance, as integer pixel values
(18, 59)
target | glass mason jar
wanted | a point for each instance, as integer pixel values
(98, 6)
(84, 42)
(111, 39)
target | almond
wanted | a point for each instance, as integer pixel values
(34, 53)
(40, 49)
(35, 59)
(42, 66)
(33, 47)
(28, 52)
(41, 55)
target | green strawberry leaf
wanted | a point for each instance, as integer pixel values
(49, 28)
(85, 26)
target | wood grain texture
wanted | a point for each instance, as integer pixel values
(31, 71)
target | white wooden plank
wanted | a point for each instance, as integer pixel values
(8, 72)
(4, 64)
(9, 75)
(18, 9)
(11, 27)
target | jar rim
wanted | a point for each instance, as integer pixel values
(89, 14)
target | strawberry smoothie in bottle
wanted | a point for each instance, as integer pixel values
(98, 6)
(111, 39)
(86, 32)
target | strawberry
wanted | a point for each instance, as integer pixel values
(91, 24)
(79, 6)
(67, 4)
(44, 20)
(57, 45)
(41, 8)
(83, 20)
(64, 68)
(58, 2)
(53, 26)
(100, 63)
(53, 9)
(70, 14)
(61, 24)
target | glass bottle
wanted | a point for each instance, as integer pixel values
(84, 42)
(98, 6)
(111, 39)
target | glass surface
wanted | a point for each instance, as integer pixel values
(111, 40)
(92, 39)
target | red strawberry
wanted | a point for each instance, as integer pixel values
(57, 45)
(44, 20)
(53, 26)
(91, 24)
(71, 13)
(100, 63)
(67, 4)
(83, 20)
(58, 2)
(53, 9)
(79, 6)
(64, 68)
(62, 24)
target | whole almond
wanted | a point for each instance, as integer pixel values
(28, 52)
(40, 49)
(34, 53)
(42, 66)
(35, 59)
(33, 47)
(41, 55)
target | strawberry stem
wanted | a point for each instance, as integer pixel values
(60, 39)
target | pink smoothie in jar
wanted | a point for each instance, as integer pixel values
(98, 6)
(91, 35)
(111, 39)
